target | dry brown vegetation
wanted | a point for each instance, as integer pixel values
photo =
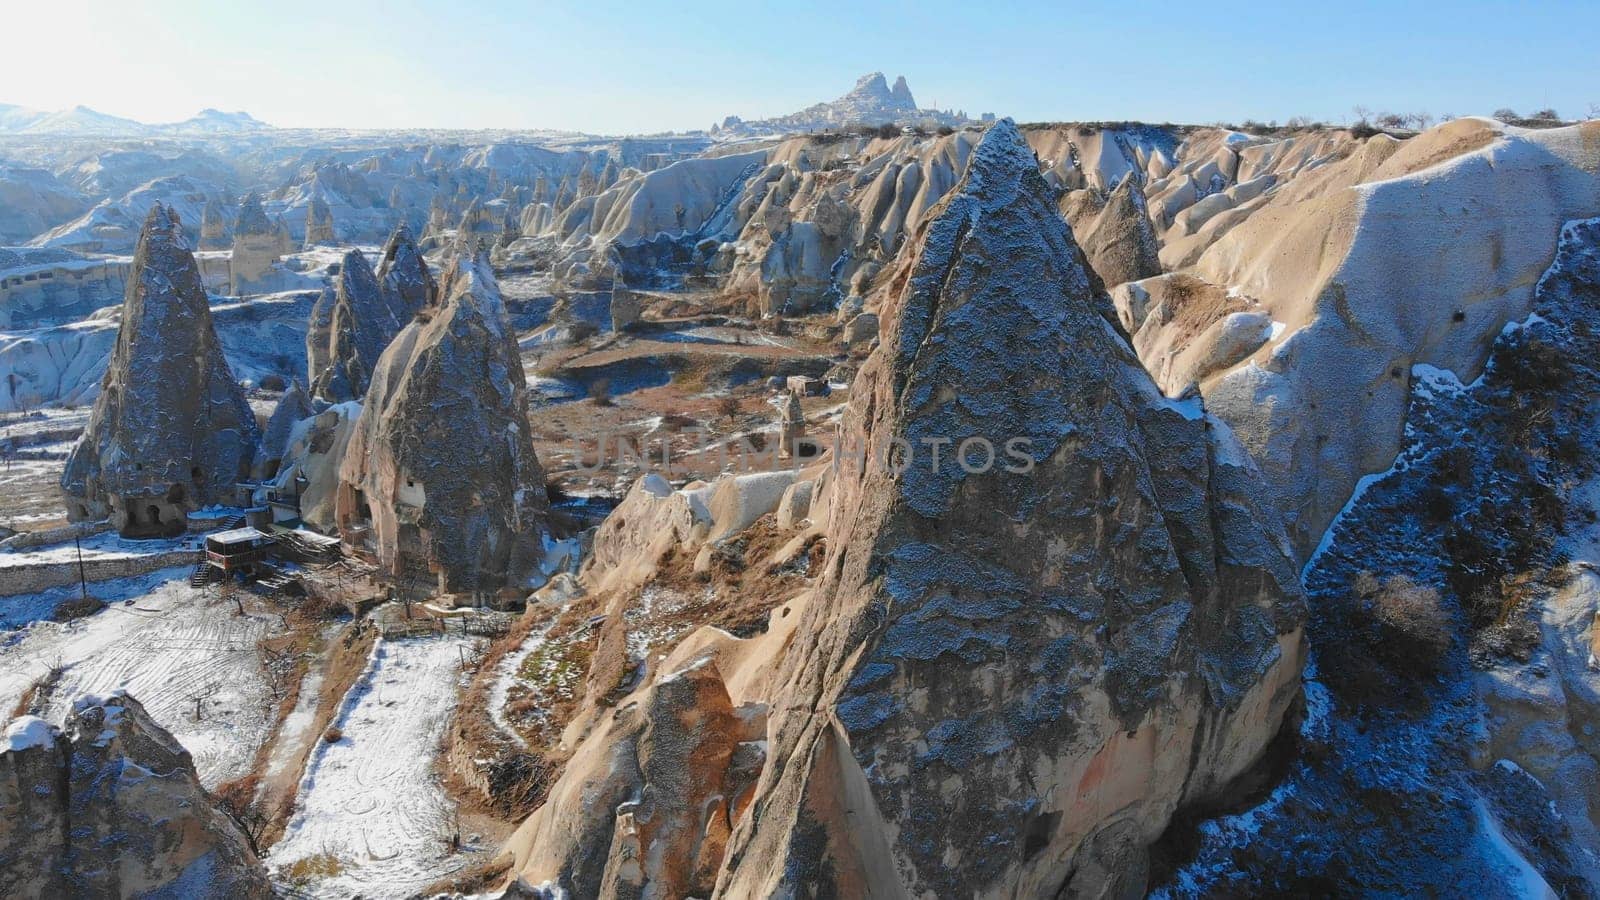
(1193, 305)
(1413, 622)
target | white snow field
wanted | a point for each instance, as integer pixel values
(371, 817)
(173, 643)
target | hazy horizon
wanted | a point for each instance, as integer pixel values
(608, 70)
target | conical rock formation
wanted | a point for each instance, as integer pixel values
(440, 476)
(112, 807)
(1012, 678)
(170, 431)
(257, 244)
(356, 322)
(405, 275)
(319, 223)
(213, 226)
(1014, 669)
(1116, 236)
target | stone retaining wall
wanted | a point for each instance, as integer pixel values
(27, 540)
(30, 579)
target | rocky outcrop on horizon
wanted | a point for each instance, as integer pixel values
(871, 102)
(170, 431)
(440, 480)
(110, 806)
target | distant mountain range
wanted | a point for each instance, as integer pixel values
(81, 120)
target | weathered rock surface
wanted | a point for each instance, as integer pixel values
(648, 811)
(440, 476)
(314, 452)
(319, 223)
(1006, 682)
(1010, 681)
(213, 226)
(292, 407)
(170, 431)
(1454, 753)
(257, 244)
(405, 276)
(1116, 235)
(357, 322)
(112, 807)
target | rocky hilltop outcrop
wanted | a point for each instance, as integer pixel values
(440, 480)
(871, 102)
(1007, 679)
(170, 431)
(111, 807)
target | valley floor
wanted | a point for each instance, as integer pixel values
(372, 817)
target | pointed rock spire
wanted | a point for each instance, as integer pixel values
(319, 223)
(1103, 610)
(1120, 242)
(360, 323)
(441, 476)
(405, 275)
(252, 217)
(214, 233)
(170, 431)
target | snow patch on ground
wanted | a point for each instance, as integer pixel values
(373, 800)
(172, 643)
(505, 674)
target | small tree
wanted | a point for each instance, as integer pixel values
(1546, 115)
(1506, 114)
(600, 392)
(729, 408)
(237, 800)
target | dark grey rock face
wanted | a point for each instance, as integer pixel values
(405, 275)
(440, 476)
(1009, 680)
(170, 431)
(360, 322)
(292, 407)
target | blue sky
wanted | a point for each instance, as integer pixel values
(628, 68)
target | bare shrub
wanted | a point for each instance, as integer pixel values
(600, 392)
(1413, 621)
